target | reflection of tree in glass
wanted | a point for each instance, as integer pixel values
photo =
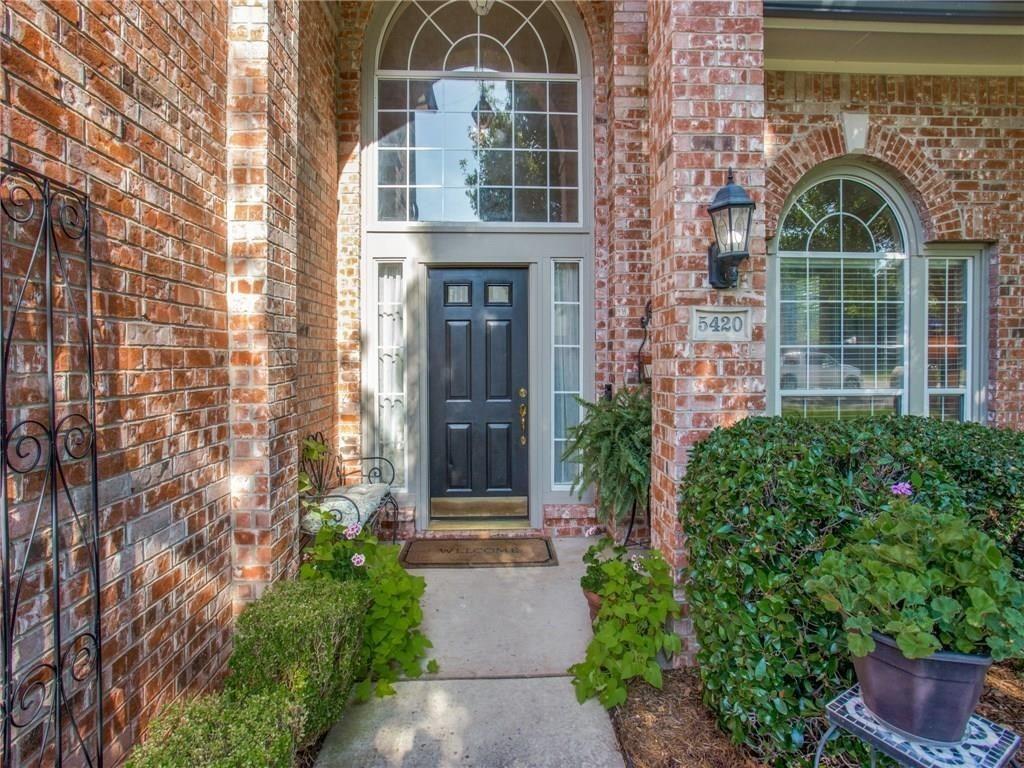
(493, 158)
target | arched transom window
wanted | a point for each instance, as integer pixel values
(848, 296)
(478, 114)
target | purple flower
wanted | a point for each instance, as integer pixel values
(902, 489)
(358, 560)
(353, 530)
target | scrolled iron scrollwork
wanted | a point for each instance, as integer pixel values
(32, 695)
(70, 214)
(25, 453)
(74, 439)
(19, 193)
(52, 702)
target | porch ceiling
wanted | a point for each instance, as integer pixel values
(886, 47)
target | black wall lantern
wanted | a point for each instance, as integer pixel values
(731, 213)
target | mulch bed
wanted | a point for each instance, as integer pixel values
(671, 728)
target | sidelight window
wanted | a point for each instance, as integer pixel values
(391, 398)
(478, 115)
(566, 364)
(949, 359)
(864, 328)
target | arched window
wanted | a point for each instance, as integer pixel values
(862, 328)
(477, 114)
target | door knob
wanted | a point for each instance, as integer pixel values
(522, 423)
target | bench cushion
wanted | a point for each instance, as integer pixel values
(367, 498)
(345, 505)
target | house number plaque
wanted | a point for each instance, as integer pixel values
(720, 324)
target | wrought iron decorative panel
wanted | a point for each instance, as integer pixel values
(49, 511)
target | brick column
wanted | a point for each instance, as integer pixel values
(353, 18)
(707, 110)
(629, 271)
(262, 135)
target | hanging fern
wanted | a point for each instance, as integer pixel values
(612, 445)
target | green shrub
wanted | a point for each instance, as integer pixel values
(392, 640)
(612, 445)
(637, 600)
(307, 637)
(931, 582)
(988, 465)
(218, 732)
(761, 502)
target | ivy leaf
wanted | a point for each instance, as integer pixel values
(652, 674)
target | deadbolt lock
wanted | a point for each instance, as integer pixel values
(522, 391)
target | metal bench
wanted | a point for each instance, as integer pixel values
(362, 493)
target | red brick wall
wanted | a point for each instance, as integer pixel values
(707, 108)
(353, 17)
(262, 160)
(957, 145)
(127, 103)
(317, 213)
(629, 226)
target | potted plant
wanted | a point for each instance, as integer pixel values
(928, 602)
(594, 577)
(612, 445)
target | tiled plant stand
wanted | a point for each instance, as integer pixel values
(986, 744)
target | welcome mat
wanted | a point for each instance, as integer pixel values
(479, 553)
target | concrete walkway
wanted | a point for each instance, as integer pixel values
(504, 638)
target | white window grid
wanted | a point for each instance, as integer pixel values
(409, 148)
(872, 397)
(390, 434)
(559, 442)
(966, 305)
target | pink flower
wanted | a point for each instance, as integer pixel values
(353, 530)
(358, 560)
(902, 489)
(592, 531)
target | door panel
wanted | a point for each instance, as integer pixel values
(499, 370)
(459, 359)
(499, 457)
(477, 356)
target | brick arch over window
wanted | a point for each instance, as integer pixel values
(929, 189)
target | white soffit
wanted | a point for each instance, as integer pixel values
(898, 48)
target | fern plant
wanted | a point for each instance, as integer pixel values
(612, 445)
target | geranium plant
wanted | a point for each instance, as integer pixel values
(929, 580)
(597, 554)
(392, 640)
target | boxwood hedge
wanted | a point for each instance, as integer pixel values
(306, 636)
(296, 653)
(215, 732)
(760, 504)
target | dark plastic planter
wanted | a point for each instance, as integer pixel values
(929, 699)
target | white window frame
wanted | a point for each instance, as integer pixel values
(555, 441)
(583, 117)
(915, 391)
(374, 369)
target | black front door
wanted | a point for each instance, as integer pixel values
(477, 363)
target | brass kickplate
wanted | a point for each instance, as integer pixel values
(480, 506)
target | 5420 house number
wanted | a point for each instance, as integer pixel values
(720, 324)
